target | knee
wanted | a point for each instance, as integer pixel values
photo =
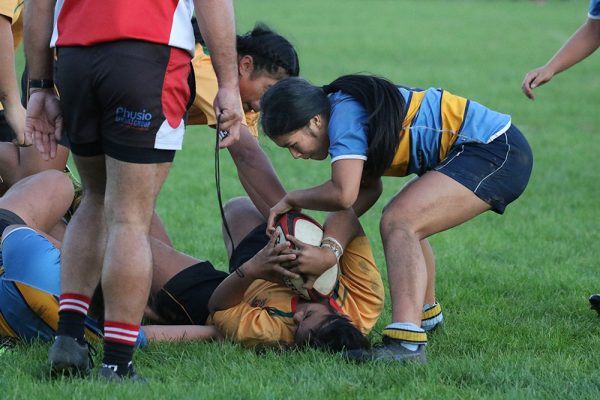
(238, 206)
(56, 182)
(396, 224)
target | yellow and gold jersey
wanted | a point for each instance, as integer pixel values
(202, 111)
(264, 316)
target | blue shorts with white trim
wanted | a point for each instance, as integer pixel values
(497, 172)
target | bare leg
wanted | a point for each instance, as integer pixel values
(430, 264)
(430, 204)
(40, 200)
(242, 217)
(131, 192)
(83, 246)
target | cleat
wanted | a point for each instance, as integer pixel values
(108, 373)
(69, 357)
(390, 350)
(595, 302)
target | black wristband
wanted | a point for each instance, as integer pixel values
(41, 84)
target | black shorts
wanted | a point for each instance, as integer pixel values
(7, 218)
(497, 172)
(184, 299)
(125, 99)
(248, 247)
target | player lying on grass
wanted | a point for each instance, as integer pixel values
(181, 285)
(468, 159)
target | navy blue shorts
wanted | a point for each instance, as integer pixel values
(497, 172)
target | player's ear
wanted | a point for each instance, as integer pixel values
(246, 65)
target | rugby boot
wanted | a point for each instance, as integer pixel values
(595, 302)
(67, 356)
(390, 350)
(111, 373)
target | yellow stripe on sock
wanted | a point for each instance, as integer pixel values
(432, 312)
(408, 336)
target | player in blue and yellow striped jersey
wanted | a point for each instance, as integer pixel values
(468, 159)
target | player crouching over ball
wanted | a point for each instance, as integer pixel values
(253, 306)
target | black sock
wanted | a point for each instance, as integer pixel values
(118, 356)
(71, 323)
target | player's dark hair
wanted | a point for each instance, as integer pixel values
(336, 334)
(291, 103)
(269, 50)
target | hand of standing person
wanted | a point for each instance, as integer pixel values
(44, 122)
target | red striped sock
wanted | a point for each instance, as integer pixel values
(74, 302)
(72, 310)
(120, 332)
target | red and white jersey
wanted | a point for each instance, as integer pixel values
(89, 22)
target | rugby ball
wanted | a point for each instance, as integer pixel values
(309, 231)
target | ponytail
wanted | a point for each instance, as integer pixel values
(385, 110)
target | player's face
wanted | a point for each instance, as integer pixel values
(308, 318)
(309, 142)
(253, 83)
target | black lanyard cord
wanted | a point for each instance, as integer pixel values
(218, 136)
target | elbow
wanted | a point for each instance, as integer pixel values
(347, 199)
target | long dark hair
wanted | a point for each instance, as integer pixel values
(291, 103)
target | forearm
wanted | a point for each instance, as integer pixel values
(231, 291)
(216, 19)
(369, 194)
(9, 92)
(342, 226)
(180, 333)
(583, 43)
(256, 172)
(39, 18)
(325, 197)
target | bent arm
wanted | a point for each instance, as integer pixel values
(256, 172)
(370, 191)
(583, 43)
(337, 194)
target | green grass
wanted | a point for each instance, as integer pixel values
(514, 288)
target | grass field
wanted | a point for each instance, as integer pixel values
(514, 288)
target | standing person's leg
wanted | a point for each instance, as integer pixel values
(131, 193)
(431, 316)
(428, 205)
(81, 264)
(476, 178)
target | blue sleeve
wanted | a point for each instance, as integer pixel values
(594, 10)
(347, 133)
